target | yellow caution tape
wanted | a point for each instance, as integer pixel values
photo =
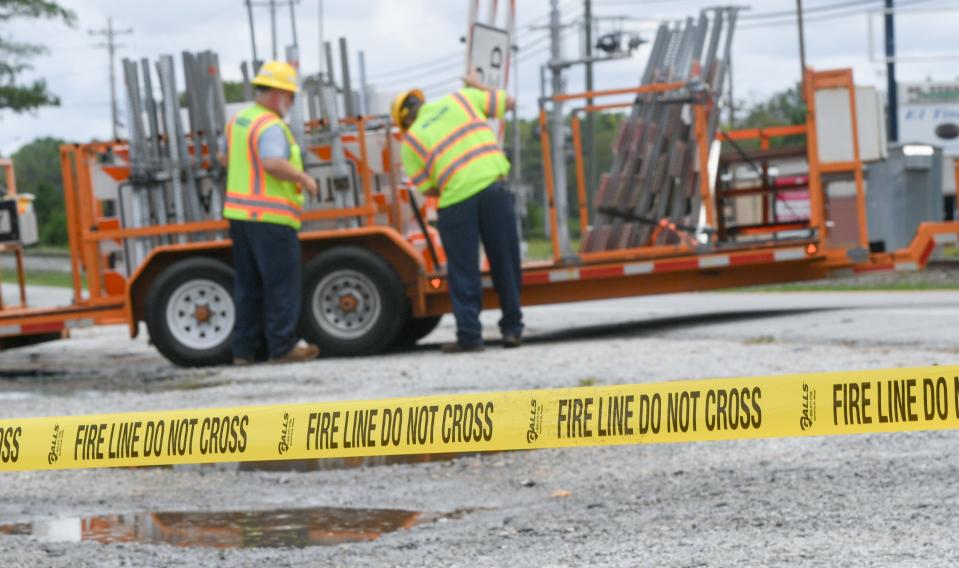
(856, 402)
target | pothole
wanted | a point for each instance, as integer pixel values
(325, 463)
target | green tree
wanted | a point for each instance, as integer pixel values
(780, 109)
(15, 56)
(232, 93)
(531, 158)
(37, 167)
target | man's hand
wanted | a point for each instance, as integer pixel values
(309, 184)
(283, 170)
(472, 80)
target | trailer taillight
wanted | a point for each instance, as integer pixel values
(811, 249)
(436, 283)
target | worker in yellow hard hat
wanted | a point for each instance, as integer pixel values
(450, 151)
(265, 179)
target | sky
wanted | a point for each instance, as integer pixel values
(417, 43)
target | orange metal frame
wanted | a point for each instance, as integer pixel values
(823, 257)
(955, 165)
(815, 81)
(10, 178)
(106, 298)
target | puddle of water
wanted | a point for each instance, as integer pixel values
(16, 374)
(16, 395)
(299, 528)
(87, 385)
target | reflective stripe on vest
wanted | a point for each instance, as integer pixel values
(252, 193)
(476, 123)
(257, 180)
(452, 147)
(279, 206)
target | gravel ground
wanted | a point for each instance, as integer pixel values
(858, 501)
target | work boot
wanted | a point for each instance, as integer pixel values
(299, 354)
(241, 362)
(456, 347)
(512, 341)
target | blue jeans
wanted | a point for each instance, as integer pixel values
(267, 290)
(486, 216)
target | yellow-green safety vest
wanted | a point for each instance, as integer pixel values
(451, 146)
(252, 194)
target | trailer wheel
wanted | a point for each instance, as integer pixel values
(353, 302)
(415, 329)
(190, 312)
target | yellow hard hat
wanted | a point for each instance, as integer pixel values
(398, 111)
(277, 75)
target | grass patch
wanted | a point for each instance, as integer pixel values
(760, 340)
(588, 381)
(542, 249)
(43, 278)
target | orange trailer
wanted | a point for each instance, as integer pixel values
(367, 288)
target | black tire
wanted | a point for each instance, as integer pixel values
(415, 329)
(353, 302)
(170, 327)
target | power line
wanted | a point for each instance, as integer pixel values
(638, 2)
(820, 18)
(453, 56)
(426, 70)
(790, 17)
(420, 65)
(811, 10)
(525, 54)
(111, 46)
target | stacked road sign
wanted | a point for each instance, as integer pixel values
(655, 171)
(174, 140)
(174, 177)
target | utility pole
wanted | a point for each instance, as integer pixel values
(802, 50)
(732, 98)
(558, 133)
(273, 25)
(249, 15)
(365, 104)
(296, 44)
(892, 94)
(590, 119)
(320, 25)
(272, 5)
(111, 45)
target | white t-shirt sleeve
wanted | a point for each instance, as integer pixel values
(273, 143)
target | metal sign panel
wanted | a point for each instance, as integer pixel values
(489, 55)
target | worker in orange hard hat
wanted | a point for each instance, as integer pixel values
(450, 151)
(264, 197)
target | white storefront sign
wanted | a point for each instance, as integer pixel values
(929, 114)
